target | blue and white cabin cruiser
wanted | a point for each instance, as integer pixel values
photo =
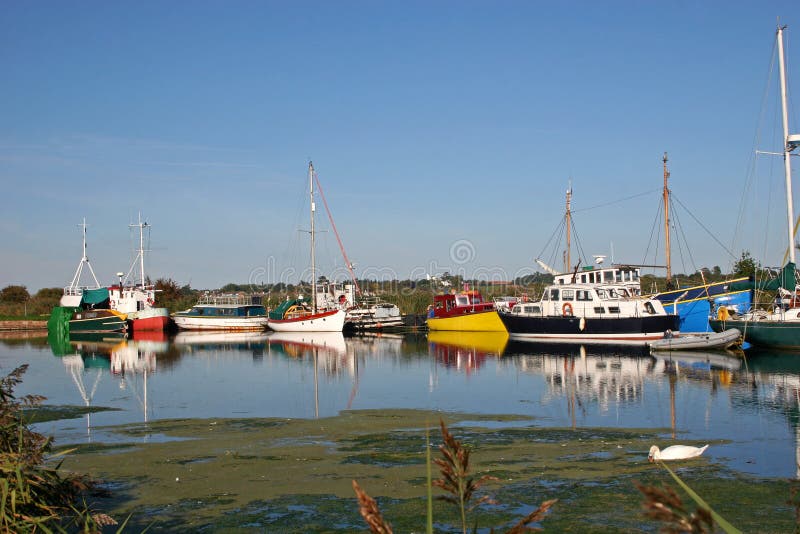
(223, 312)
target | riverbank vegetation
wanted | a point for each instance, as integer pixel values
(36, 496)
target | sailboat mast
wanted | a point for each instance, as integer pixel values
(666, 222)
(313, 259)
(787, 164)
(568, 219)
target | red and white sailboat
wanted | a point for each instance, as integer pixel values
(137, 301)
(301, 316)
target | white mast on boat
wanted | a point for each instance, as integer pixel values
(666, 222)
(313, 259)
(789, 144)
(140, 256)
(84, 260)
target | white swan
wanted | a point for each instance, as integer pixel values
(675, 452)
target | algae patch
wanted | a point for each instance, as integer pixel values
(272, 474)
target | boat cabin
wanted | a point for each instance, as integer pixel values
(586, 300)
(451, 304)
(624, 275)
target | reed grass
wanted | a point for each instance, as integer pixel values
(35, 497)
(460, 489)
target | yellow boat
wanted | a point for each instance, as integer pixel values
(464, 312)
(481, 342)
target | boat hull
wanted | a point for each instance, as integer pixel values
(699, 341)
(152, 319)
(556, 329)
(693, 304)
(486, 321)
(772, 334)
(97, 321)
(235, 324)
(329, 321)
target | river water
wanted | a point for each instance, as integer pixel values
(745, 406)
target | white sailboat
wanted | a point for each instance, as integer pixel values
(779, 327)
(297, 315)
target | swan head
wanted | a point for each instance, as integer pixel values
(654, 455)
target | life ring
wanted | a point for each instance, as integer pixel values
(566, 309)
(113, 303)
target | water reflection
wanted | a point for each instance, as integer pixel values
(745, 405)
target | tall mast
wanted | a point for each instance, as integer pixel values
(787, 164)
(666, 221)
(141, 227)
(568, 219)
(313, 259)
(84, 260)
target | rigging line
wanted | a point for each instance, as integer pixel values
(653, 228)
(557, 231)
(752, 159)
(679, 226)
(617, 201)
(578, 246)
(704, 228)
(336, 233)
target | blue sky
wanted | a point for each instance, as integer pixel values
(444, 133)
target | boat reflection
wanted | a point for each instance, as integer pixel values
(466, 351)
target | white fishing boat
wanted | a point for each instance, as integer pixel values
(299, 315)
(137, 300)
(223, 312)
(698, 341)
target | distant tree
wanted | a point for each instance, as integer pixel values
(746, 265)
(716, 270)
(15, 294)
(49, 293)
(168, 289)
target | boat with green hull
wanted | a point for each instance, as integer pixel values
(83, 308)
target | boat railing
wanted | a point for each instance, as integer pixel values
(229, 300)
(76, 291)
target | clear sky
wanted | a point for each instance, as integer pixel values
(444, 133)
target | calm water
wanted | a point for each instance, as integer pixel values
(747, 409)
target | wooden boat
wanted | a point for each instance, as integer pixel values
(465, 311)
(698, 341)
(589, 313)
(780, 326)
(298, 315)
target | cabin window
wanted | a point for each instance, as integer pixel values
(461, 300)
(601, 293)
(568, 294)
(599, 309)
(612, 293)
(613, 309)
(583, 294)
(438, 304)
(583, 279)
(591, 278)
(532, 309)
(554, 294)
(450, 305)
